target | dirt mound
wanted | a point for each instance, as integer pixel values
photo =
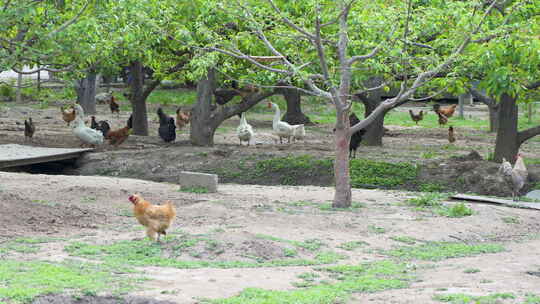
(471, 174)
(62, 299)
(263, 249)
(21, 216)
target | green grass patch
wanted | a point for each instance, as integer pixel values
(24, 245)
(178, 97)
(471, 270)
(291, 169)
(310, 170)
(199, 190)
(349, 279)
(20, 282)
(350, 246)
(168, 254)
(430, 199)
(457, 210)
(328, 207)
(374, 173)
(404, 239)
(459, 298)
(437, 251)
(376, 229)
(532, 299)
(311, 244)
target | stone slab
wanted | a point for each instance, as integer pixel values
(188, 179)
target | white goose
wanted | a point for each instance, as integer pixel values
(244, 130)
(283, 129)
(299, 132)
(87, 135)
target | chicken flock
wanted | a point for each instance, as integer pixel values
(158, 218)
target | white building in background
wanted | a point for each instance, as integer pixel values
(12, 75)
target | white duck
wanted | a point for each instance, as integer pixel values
(283, 129)
(87, 135)
(244, 130)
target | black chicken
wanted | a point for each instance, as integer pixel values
(356, 138)
(29, 129)
(102, 126)
(167, 127)
(93, 123)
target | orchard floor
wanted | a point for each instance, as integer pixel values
(270, 237)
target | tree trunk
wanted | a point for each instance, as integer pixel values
(202, 128)
(138, 99)
(343, 193)
(18, 97)
(493, 118)
(507, 143)
(493, 107)
(375, 131)
(206, 118)
(86, 93)
(294, 114)
(371, 100)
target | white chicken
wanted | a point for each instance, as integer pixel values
(515, 177)
(283, 129)
(244, 130)
(88, 136)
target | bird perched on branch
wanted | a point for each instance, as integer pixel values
(516, 177)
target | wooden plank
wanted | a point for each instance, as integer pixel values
(498, 201)
(13, 155)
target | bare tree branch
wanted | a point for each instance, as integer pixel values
(339, 16)
(241, 55)
(430, 96)
(527, 134)
(421, 79)
(533, 86)
(290, 23)
(422, 45)
(69, 22)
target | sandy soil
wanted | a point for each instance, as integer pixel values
(91, 209)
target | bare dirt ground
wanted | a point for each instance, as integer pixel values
(92, 209)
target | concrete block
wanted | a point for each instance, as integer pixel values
(535, 194)
(189, 179)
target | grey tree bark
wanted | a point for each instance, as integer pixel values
(86, 92)
(294, 114)
(372, 100)
(205, 118)
(493, 108)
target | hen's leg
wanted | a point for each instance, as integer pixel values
(151, 233)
